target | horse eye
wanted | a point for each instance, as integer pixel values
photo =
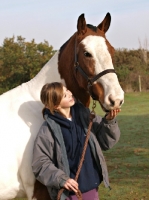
(87, 54)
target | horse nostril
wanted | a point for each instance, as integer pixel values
(115, 102)
(111, 102)
(121, 102)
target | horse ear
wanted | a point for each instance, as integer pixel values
(105, 24)
(81, 26)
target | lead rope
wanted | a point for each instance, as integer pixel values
(78, 193)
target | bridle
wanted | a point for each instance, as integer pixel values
(90, 81)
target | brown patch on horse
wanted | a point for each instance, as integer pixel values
(40, 192)
(67, 71)
(98, 91)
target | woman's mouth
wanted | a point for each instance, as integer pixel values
(72, 100)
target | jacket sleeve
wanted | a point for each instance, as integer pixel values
(107, 132)
(44, 161)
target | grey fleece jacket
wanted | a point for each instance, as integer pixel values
(50, 164)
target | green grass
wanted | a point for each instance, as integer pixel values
(128, 160)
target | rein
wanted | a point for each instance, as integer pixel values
(90, 81)
(78, 193)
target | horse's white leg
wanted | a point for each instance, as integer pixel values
(25, 171)
(9, 183)
(28, 186)
(29, 192)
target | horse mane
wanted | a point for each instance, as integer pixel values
(63, 46)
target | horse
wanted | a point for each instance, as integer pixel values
(84, 65)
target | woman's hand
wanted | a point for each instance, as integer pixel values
(71, 184)
(112, 114)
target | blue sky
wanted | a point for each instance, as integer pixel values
(56, 20)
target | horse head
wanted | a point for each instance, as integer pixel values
(85, 64)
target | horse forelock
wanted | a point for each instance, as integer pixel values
(93, 28)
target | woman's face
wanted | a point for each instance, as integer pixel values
(67, 99)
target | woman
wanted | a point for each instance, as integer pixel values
(59, 144)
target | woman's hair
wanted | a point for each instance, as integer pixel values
(51, 95)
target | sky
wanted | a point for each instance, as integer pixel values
(56, 20)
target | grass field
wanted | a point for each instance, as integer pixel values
(128, 160)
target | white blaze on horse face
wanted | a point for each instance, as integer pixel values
(113, 93)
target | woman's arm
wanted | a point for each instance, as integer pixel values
(44, 162)
(106, 130)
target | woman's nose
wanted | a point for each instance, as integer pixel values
(69, 93)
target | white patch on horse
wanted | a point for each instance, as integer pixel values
(96, 46)
(21, 118)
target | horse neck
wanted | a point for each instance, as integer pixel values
(67, 71)
(49, 73)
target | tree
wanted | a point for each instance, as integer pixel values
(20, 61)
(129, 66)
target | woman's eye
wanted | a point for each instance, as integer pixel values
(87, 54)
